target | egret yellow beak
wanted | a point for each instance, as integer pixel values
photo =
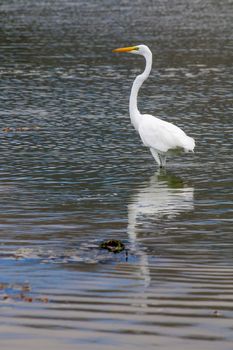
(126, 49)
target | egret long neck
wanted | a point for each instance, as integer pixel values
(133, 106)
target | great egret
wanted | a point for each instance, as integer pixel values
(160, 136)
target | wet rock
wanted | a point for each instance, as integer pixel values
(113, 245)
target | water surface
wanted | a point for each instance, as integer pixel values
(73, 173)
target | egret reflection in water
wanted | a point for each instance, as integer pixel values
(164, 195)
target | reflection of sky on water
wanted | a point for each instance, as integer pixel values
(163, 195)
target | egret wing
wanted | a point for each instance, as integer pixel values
(160, 135)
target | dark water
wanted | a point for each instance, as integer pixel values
(73, 173)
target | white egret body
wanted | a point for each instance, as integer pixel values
(160, 136)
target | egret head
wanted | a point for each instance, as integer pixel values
(138, 50)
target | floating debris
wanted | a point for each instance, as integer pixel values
(7, 129)
(26, 298)
(216, 313)
(23, 253)
(20, 292)
(21, 129)
(113, 245)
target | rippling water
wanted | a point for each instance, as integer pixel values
(73, 173)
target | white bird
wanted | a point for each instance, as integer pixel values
(160, 136)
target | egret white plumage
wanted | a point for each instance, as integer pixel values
(160, 136)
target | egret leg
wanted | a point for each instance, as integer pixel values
(162, 158)
(156, 156)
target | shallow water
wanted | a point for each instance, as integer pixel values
(73, 173)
